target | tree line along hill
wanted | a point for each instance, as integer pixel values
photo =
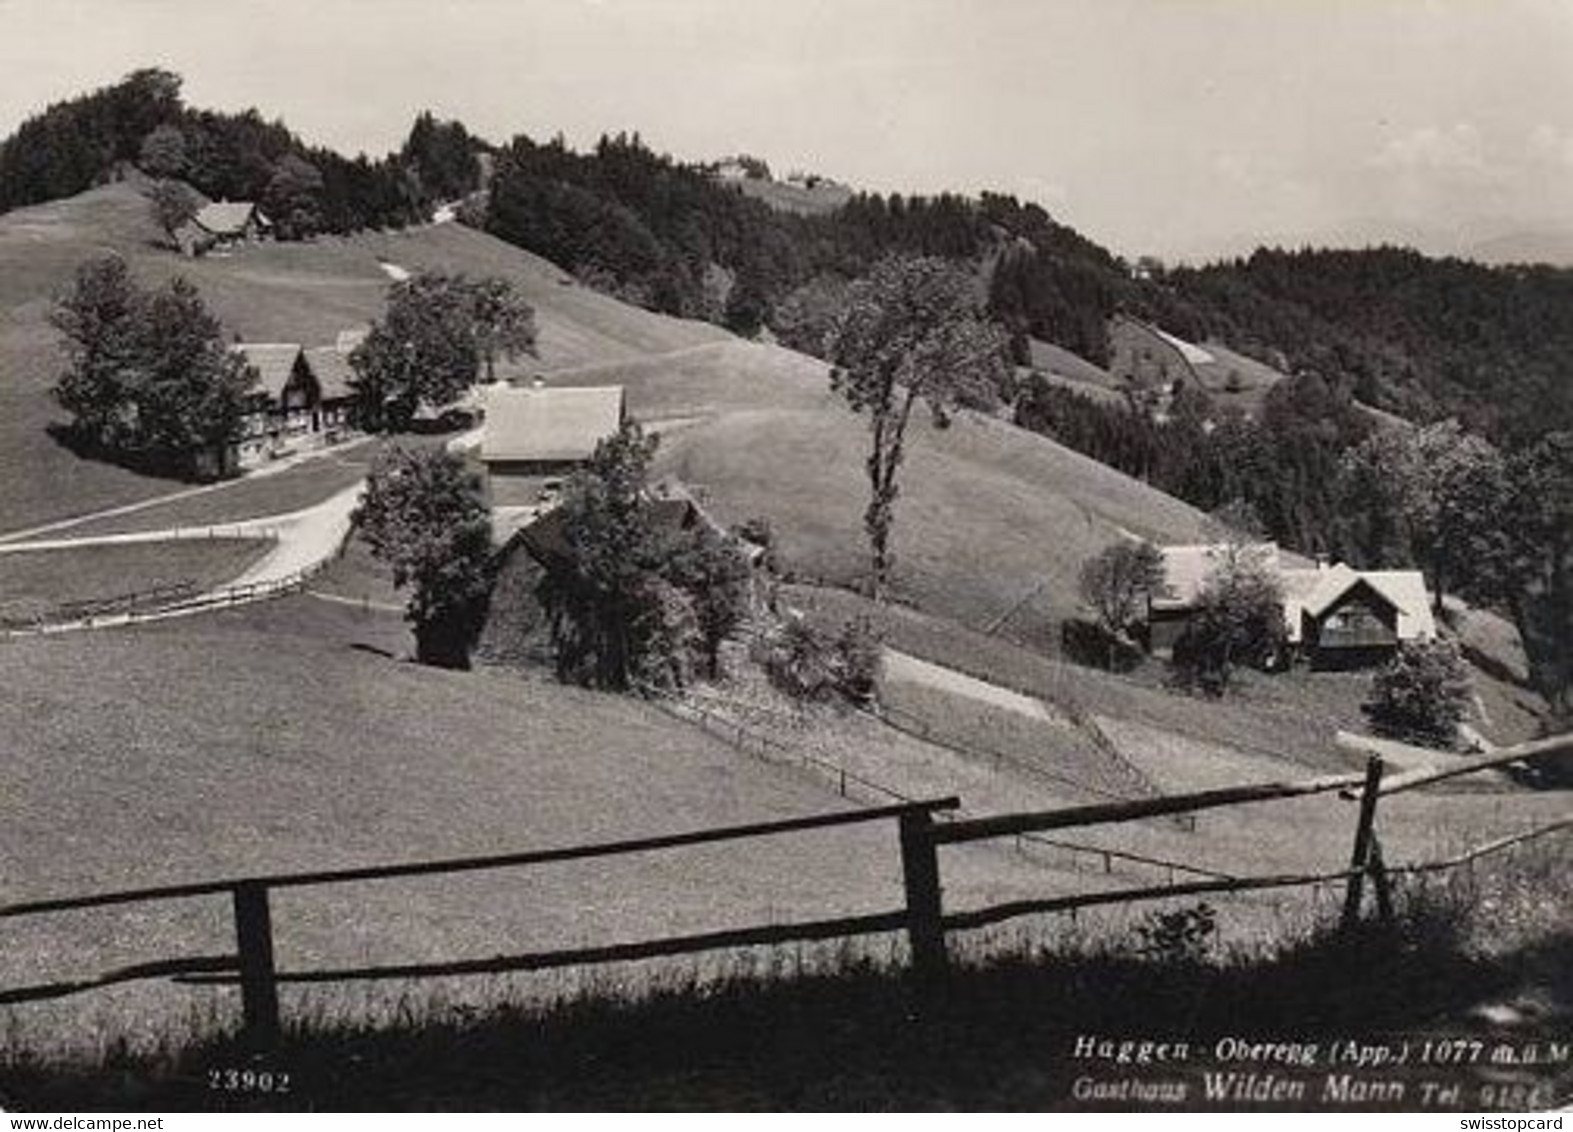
(1424, 338)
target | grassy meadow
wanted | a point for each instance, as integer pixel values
(39, 581)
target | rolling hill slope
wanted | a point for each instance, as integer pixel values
(133, 758)
(274, 292)
(989, 514)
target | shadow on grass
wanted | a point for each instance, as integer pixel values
(999, 1034)
(1091, 645)
(156, 465)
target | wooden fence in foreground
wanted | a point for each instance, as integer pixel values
(922, 916)
(153, 604)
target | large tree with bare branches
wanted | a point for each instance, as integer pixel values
(912, 333)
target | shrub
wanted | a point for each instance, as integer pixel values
(1421, 694)
(860, 651)
(1088, 643)
(800, 661)
(1180, 936)
(813, 667)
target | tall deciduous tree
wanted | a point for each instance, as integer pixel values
(422, 351)
(293, 198)
(1117, 581)
(605, 610)
(1437, 489)
(634, 600)
(504, 323)
(424, 514)
(163, 152)
(911, 334)
(805, 319)
(172, 204)
(428, 347)
(1238, 619)
(1540, 523)
(100, 324)
(149, 373)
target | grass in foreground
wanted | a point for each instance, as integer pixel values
(1000, 1034)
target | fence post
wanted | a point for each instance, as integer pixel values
(920, 876)
(1381, 882)
(254, 940)
(1360, 858)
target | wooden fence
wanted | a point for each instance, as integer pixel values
(128, 603)
(153, 604)
(766, 747)
(922, 916)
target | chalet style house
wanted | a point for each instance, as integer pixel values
(223, 225)
(301, 398)
(535, 434)
(1334, 616)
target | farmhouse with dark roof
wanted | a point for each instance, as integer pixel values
(221, 225)
(300, 398)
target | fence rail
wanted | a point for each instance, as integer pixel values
(922, 917)
(176, 601)
(695, 709)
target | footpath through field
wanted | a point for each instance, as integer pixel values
(30, 535)
(904, 666)
(301, 541)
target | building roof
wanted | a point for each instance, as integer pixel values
(1319, 590)
(334, 375)
(1187, 568)
(1311, 591)
(226, 217)
(543, 423)
(274, 363)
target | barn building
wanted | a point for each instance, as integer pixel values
(535, 434)
(222, 225)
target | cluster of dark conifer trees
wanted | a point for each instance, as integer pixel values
(1282, 469)
(142, 121)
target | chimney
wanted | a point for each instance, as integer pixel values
(1321, 563)
(537, 382)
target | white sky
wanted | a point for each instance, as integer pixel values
(1168, 126)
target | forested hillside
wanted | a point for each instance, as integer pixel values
(142, 121)
(1422, 337)
(1425, 337)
